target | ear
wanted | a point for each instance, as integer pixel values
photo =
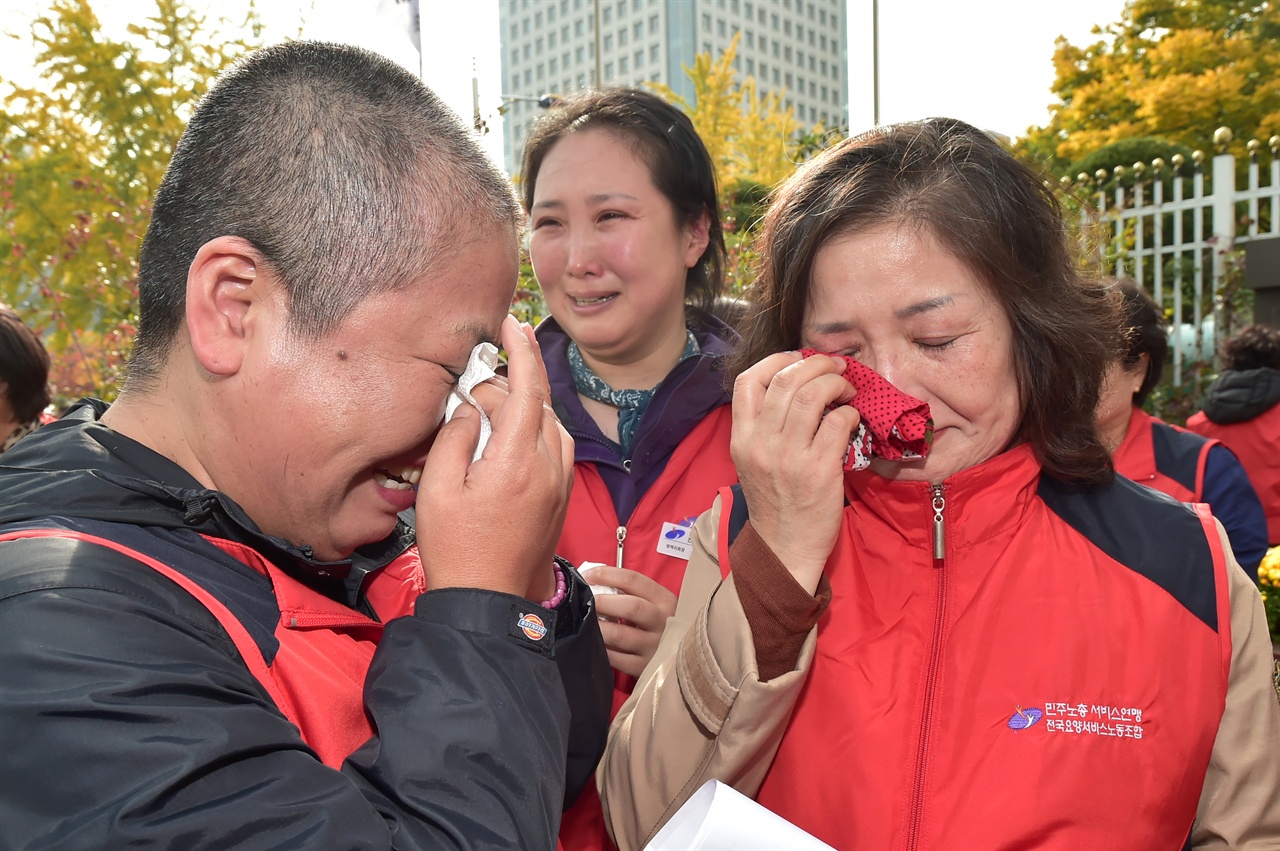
(699, 235)
(1141, 370)
(227, 287)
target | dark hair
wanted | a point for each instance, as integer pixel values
(1253, 347)
(339, 166)
(24, 368)
(664, 138)
(730, 310)
(1145, 334)
(993, 214)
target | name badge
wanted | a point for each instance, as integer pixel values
(674, 541)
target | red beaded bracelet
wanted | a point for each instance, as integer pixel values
(561, 588)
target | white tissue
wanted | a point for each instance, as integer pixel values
(481, 366)
(585, 570)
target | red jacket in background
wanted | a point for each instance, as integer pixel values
(1179, 471)
(1256, 443)
(680, 459)
(659, 525)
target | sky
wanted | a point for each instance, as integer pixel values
(989, 62)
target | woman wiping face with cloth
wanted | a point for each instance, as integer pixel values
(998, 644)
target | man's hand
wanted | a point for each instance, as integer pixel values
(788, 450)
(494, 523)
(638, 613)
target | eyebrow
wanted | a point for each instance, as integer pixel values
(600, 198)
(833, 327)
(475, 331)
(902, 313)
(923, 307)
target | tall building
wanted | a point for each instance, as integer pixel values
(798, 48)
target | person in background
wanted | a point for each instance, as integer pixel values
(626, 242)
(216, 628)
(999, 645)
(24, 380)
(1242, 409)
(1188, 467)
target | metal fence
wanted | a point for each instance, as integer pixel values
(1178, 229)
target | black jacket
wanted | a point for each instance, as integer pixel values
(128, 717)
(1237, 396)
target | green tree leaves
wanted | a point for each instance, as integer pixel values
(1172, 69)
(81, 155)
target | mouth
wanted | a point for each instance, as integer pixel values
(405, 479)
(593, 301)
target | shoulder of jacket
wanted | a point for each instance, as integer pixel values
(1147, 532)
(30, 565)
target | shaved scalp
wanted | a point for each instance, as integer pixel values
(346, 173)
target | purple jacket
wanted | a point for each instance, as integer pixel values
(689, 392)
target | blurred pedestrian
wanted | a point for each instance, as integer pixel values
(24, 380)
(1242, 409)
(1185, 465)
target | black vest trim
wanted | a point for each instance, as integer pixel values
(1177, 454)
(1146, 531)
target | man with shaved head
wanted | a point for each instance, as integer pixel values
(216, 626)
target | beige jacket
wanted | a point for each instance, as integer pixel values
(701, 711)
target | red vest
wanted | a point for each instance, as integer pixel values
(1256, 443)
(686, 487)
(317, 675)
(1022, 692)
(1135, 458)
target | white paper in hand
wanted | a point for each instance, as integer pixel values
(719, 818)
(481, 366)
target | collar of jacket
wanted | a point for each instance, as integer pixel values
(689, 392)
(982, 502)
(79, 468)
(1135, 457)
(1237, 396)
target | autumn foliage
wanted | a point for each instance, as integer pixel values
(755, 142)
(81, 155)
(1168, 70)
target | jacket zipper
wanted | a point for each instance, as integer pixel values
(938, 506)
(622, 536)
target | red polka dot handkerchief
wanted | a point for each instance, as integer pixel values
(894, 426)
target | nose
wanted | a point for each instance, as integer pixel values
(582, 260)
(890, 364)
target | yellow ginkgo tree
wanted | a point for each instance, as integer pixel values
(81, 154)
(1168, 70)
(750, 136)
(754, 139)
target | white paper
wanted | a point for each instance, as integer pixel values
(481, 366)
(719, 818)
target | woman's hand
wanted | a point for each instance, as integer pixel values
(789, 449)
(494, 523)
(637, 615)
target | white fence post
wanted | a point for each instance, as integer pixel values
(1186, 223)
(1224, 221)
